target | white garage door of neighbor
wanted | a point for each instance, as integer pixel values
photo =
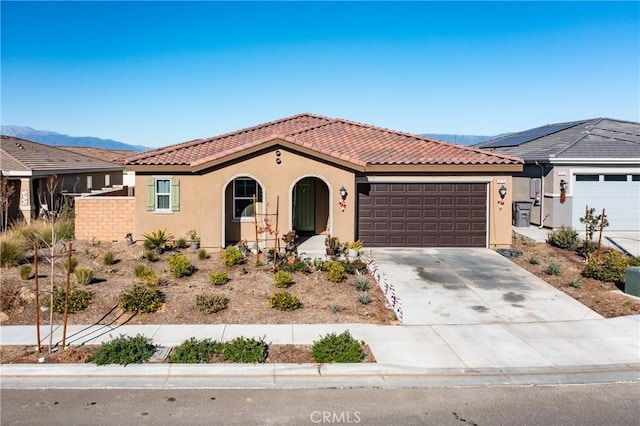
(618, 194)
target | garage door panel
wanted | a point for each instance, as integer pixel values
(620, 199)
(431, 215)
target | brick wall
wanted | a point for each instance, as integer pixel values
(104, 218)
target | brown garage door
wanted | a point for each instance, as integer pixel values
(422, 214)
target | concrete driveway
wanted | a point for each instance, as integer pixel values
(472, 286)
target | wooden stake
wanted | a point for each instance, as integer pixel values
(35, 264)
(600, 235)
(66, 298)
(276, 244)
(255, 222)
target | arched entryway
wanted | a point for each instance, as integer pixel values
(310, 206)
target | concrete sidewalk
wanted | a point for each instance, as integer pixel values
(599, 350)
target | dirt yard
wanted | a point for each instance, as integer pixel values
(248, 291)
(598, 296)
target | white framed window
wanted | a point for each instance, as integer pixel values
(107, 180)
(89, 183)
(163, 194)
(244, 190)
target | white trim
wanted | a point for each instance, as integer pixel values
(155, 194)
(487, 224)
(223, 222)
(590, 161)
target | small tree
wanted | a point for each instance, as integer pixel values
(592, 223)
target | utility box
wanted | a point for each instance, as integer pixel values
(632, 281)
(522, 214)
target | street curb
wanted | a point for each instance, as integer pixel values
(300, 376)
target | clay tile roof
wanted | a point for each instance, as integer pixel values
(354, 142)
(117, 156)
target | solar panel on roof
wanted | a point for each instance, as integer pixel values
(529, 135)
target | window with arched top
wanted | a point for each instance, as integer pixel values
(244, 191)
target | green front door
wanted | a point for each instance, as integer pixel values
(304, 206)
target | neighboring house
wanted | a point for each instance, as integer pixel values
(118, 156)
(569, 166)
(28, 165)
(326, 176)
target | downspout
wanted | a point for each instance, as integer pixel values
(541, 195)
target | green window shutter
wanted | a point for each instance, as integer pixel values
(175, 195)
(151, 194)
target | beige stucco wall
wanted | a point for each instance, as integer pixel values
(205, 199)
(499, 226)
(104, 218)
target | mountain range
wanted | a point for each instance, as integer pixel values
(58, 139)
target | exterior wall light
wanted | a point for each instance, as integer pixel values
(343, 193)
(343, 196)
(503, 192)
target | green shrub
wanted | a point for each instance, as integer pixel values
(141, 299)
(202, 254)
(335, 308)
(575, 283)
(526, 241)
(609, 268)
(242, 349)
(364, 298)
(533, 260)
(564, 237)
(179, 265)
(553, 268)
(25, 272)
(336, 272)
(146, 275)
(70, 264)
(181, 243)
(282, 279)
(12, 251)
(357, 264)
(337, 348)
(157, 240)
(297, 266)
(284, 301)
(194, 351)
(150, 255)
(124, 350)
(231, 256)
(84, 276)
(218, 278)
(362, 284)
(78, 300)
(108, 258)
(211, 304)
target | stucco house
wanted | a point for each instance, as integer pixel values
(28, 164)
(326, 176)
(571, 165)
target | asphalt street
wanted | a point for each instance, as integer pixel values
(613, 404)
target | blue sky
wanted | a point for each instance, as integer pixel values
(157, 73)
